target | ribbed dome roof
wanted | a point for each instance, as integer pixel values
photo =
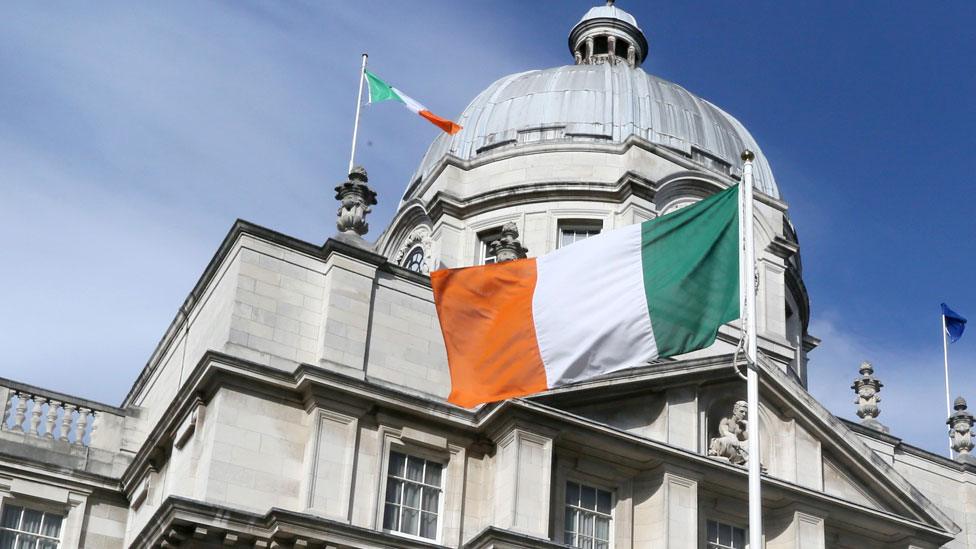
(609, 12)
(600, 103)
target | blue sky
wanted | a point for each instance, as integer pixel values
(133, 134)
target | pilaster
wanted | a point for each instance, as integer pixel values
(666, 509)
(522, 480)
(796, 529)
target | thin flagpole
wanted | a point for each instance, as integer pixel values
(359, 104)
(945, 360)
(752, 379)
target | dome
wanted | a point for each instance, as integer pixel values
(604, 104)
(609, 12)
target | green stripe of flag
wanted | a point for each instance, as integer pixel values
(690, 261)
(380, 90)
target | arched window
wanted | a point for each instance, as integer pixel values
(415, 260)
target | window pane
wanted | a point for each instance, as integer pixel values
(603, 500)
(32, 521)
(572, 493)
(570, 520)
(415, 469)
(26, 541)
(602, 545)
(11, 516)
(712, 530)
(7, 540)
(570, 539)
(430, 499)
(411, 495)
(47, 544)
(428, 525)
(587, 497)
(52, 525)
(586, 543)
(394, 491)
(433, 474)
(391, 517)
(724, 534)
(410, 522)
(602, 529)
(587, 529)
(738, 538)
(396, 464)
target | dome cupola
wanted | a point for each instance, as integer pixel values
(608, 34)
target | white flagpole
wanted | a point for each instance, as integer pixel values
(945, 360)
(359, 103)
(748, 257)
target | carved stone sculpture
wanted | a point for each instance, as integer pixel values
(733, 434)
(961, 432)
(507, 247)
(355, 198)
(868, 389)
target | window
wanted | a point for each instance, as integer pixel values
(22, 528)
(574, 232)
(415, 260)
(725, 536)
(588, 516)
(413, 496)
(484, 239)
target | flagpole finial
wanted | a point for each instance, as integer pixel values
(748, 156)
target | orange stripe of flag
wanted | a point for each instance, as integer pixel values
(486, 318)
(442, 123)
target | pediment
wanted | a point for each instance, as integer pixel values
(681, 402)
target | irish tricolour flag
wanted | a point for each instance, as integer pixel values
(381, 91)
(614, 301)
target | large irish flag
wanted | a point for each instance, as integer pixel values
(381, 91)
(614, 301)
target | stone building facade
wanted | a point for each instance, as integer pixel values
(297, 399)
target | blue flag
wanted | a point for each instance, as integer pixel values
(955, 323)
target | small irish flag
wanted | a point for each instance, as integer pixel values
(381, 91)
(614, 301)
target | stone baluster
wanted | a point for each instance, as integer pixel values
(82, 425)
(52, 418)
(36, 411)
(961, 432)
(66, 421)
(21, 412)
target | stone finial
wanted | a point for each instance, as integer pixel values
(868, 389)
(733, 434)
(507, 247)
(355, 198)
(961, 431)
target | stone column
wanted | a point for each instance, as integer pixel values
(355, 198)
(508, 246)
(522, 478)
(632, 56)
(961, 432)
(666, 509)
(612, 49)
(589, 50)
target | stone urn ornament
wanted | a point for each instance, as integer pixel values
(355, 198)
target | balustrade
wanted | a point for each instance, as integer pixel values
(22, 412)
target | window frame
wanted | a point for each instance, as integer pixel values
(589, 482)
(578, 225)
(722, 521)
(394, 444)
(44, 509)
(423, 258)
(485, 237)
